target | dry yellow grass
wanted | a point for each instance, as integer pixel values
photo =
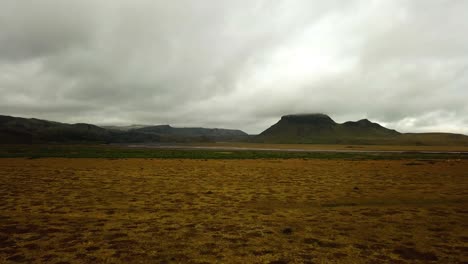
(233, 211)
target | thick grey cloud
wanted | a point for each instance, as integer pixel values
(236, 64)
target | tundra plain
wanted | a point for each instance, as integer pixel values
(106, 210)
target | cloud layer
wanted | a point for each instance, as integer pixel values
(236, 64)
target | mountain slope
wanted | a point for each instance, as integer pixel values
(31, 130)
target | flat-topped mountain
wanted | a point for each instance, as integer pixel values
(321, 129)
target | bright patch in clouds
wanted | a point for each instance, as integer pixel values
(236, 64)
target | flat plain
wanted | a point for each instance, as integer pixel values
(105, 210)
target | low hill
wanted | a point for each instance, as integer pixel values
(433, 139)
(321, 129)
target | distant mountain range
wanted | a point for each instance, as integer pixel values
(30, 130)
(305, 128)
(215, 133)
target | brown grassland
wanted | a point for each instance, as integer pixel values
(58, 210)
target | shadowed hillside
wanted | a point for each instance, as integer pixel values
(31, 130)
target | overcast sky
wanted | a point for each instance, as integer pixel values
(236, 63)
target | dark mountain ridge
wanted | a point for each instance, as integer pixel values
(32, 130)
(14, 130)
(321, 129)
(305, 128)
(321, 125)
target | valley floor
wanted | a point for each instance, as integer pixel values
(312, 147)
(305, 147)
(57, 210)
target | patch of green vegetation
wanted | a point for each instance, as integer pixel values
(107, 151)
